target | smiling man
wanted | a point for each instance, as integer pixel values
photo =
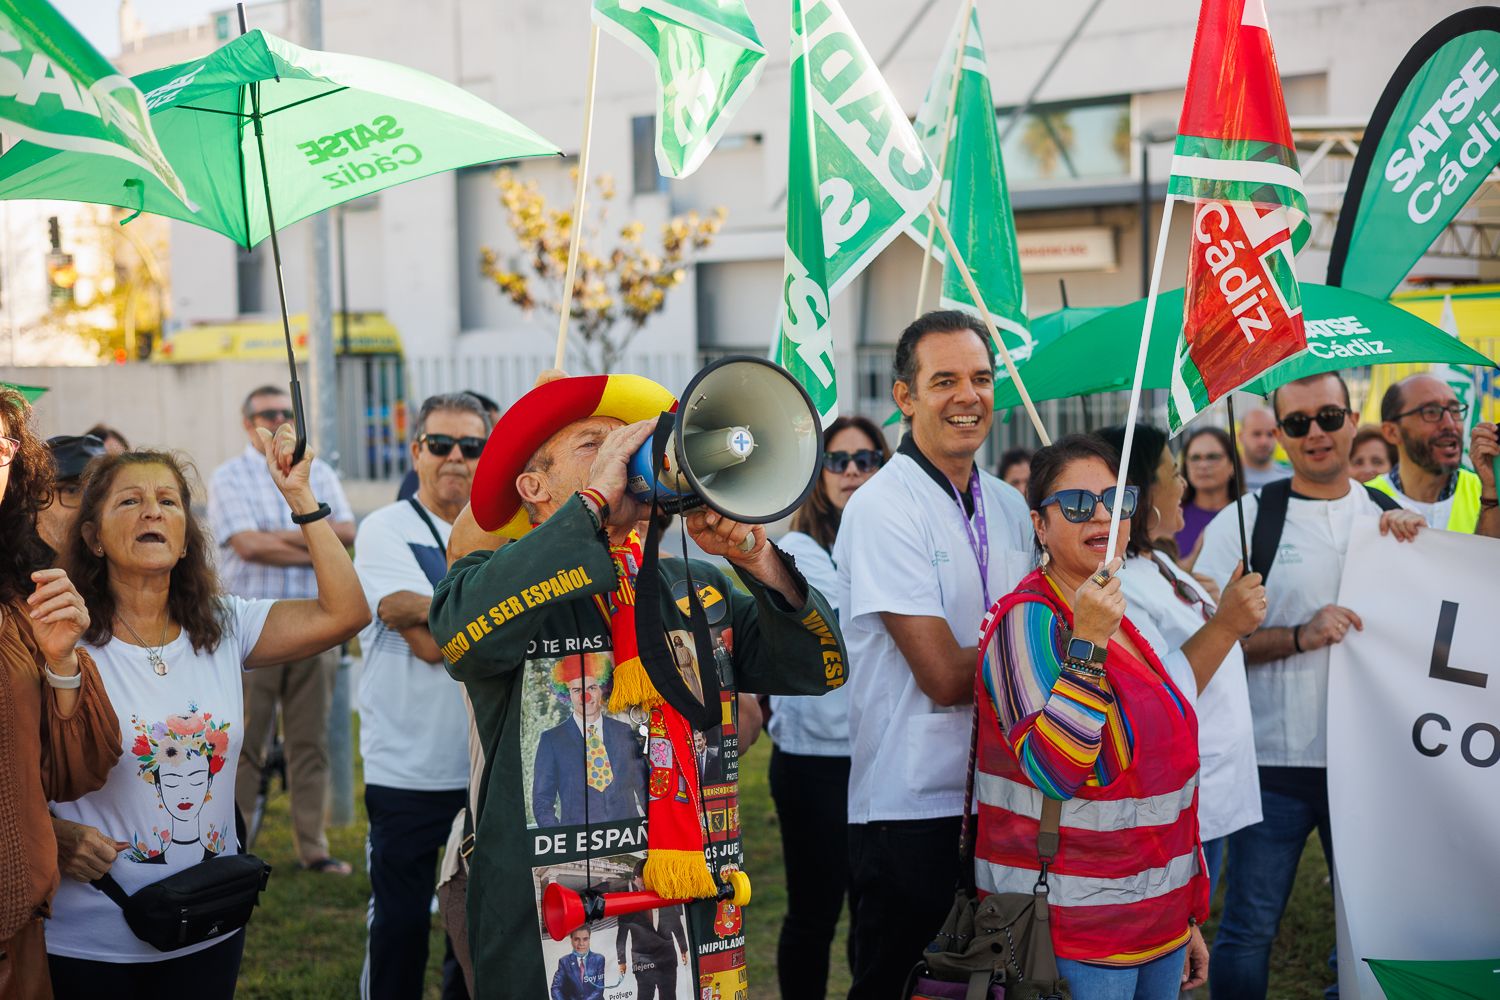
(1423, 418)
(924, 548)
(414, 728)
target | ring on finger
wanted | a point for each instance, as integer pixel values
(1100, 578)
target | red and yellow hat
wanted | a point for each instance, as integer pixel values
(534, 418)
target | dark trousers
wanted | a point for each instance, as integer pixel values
(1258, 881)
(209, 974)
(657, 984)
(902, 876)
(812, 809)
(407, 830)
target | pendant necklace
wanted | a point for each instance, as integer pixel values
(153, 656)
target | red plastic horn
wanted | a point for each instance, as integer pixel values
(565, 910)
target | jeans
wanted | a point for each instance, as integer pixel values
(1158, 979)
(1262, 867)
(902, 876)
(812, 808)
(407, 830)
(209, 974)
(1213, 857)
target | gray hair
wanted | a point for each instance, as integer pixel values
(454, 402)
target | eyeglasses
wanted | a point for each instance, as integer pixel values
(1330, 418)
(69, 494)
(864, 460)
(271, 416)
(1078, 505)
(9, 446)
(441, 445)
(1434, 412)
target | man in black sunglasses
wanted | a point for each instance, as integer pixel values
(1287, 661)
(1422, 417)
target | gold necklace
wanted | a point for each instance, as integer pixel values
(153, 656)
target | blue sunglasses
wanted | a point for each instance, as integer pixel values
(1078, 505)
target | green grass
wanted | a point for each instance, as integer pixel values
(308, 937)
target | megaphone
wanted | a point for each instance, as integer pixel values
(745, 440)
(565, 910)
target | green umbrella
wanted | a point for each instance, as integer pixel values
(32, 393)
(1475, 980)
(263, 133)
(1345, 330)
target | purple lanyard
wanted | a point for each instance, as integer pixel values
(979, 536)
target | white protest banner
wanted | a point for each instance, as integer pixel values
(1414, 753)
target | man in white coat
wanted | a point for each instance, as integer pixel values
(924, 548)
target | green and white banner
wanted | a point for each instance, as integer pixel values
(1432, 140)
(707, 58)
(858, 176)
(56, 90)
(974, 198)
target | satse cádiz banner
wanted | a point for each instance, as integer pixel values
(1433, 138)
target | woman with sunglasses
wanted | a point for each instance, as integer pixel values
(1198, 638)
(1076, 708)
(1208, 467)
(59, 735)
(810, 750)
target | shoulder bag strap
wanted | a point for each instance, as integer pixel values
(422, 513)
(1270, 518)
(1382, 500)
(106, 884)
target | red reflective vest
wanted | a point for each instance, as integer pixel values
(1129, 870)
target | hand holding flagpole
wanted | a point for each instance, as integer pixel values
(989, 322)
(565, 310)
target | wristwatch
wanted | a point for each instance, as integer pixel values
(1084, 653)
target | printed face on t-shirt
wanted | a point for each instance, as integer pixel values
(585, 696)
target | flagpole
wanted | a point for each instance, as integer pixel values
(989, 322)
(566, 309)
(1140, 375)
(952, 113)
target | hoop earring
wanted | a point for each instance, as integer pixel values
(1149, 526)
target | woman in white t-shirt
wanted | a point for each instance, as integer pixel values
(810, 751)
(1198, 640)
(171, 649)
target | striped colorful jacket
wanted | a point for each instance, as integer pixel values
(1123, 756)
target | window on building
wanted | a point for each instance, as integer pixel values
(737, 305)
(647, 179)
(250, 276)
(1078, 140)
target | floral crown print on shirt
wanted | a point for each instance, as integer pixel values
(179, 757)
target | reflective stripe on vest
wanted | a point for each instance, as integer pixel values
(1082, 890)
(1463, 516)
(1097, 815)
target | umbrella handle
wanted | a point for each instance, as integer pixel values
(299, 421)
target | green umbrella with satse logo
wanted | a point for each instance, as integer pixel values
(1470, 980)
(1344, 330)
(31, 393)
(263, 133)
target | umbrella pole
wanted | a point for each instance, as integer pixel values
(1239, 482)
(286, 324)
(942, 166)
(565, 309)
(1083, 397)
(989, 322)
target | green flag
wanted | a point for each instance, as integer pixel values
(974, 199)
(707, 58)
(1433, 139)
(56, 90)
(857, 177)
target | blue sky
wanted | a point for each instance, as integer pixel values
(99, 20)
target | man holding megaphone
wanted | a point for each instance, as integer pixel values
(577, 578)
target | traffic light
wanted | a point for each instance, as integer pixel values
(61, 274)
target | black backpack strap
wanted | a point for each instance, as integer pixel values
(106, 884)
(442, 547)
(1382, 500)
(1270, 518)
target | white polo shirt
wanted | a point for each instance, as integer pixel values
(903, 547)
(1289, 698)
(1229, 785)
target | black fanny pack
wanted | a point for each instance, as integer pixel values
(208, 900)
